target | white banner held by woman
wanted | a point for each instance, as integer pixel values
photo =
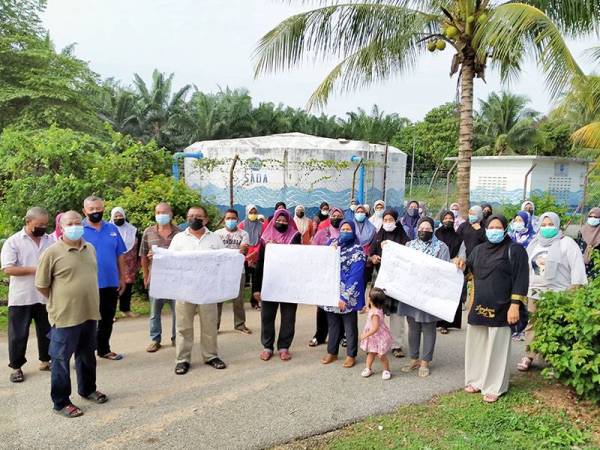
(420, 280)
(308, 274)
(201, 277)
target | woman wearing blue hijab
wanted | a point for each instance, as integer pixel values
(521, 229)
(344, 317)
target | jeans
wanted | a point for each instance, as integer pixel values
(64, 342)
(108, 308)
(156, 306)
(268, 313)
(338, 325)
(19, 321)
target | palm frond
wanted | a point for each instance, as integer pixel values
(588, 136)
(574, 17)
(516, 31)
(338, 30)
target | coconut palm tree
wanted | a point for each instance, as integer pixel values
(158, 105)
(377, 39)
(506, 125)
(118, 106)
(584, 99)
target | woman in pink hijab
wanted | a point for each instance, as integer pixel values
(280, 230)
(57, 231)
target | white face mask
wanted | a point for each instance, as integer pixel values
(379, 213)
(352, 207)
(389, 227)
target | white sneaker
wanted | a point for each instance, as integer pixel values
(386, 375)
(366, 373)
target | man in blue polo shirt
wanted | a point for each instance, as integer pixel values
(109, 246)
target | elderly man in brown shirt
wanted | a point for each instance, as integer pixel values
(66, 274)
(160, 235)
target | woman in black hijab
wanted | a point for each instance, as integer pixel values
(391, 230)
(450, 237)
(486, 210)
(500, 272)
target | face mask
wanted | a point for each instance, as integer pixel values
(379, 213)
(231, 224)
(119, 222)
(425, 236)
(324, 212)
(360, 217)
(162, 219)
(352, 207)
(39, 231)
(548, 232)
(389, 227)
(494, 236)
(335, 223)
(346, 236)
(281, 227)
(252, 217)
(472, 218)
(95, 217)
(455, 212)
(73, 232)
(300, 214)
(518, 226)
(486, 214)
(448, 225)
(593, 221)
(196, 224)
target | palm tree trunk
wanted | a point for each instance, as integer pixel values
(465, 138)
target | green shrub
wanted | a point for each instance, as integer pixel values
(567, 335)
(542, 204)
(139, 201)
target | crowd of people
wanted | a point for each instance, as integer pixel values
(69, 284)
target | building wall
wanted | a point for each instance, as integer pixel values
(502, 181)
(308, 177)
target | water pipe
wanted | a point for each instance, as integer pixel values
(361, 179)
(181, 155)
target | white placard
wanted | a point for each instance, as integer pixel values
(202, 276)
(420, 280)
(308, 274)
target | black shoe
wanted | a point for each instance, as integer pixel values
(182, 368)
(216, 363)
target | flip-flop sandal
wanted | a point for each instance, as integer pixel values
(69, 411)
(472, 389)
(284, 355)
(112, 356)
(525, 364)
(410, 368)
(489, 398)
(444, 331)
(398, 353)
(313, 342)
(97, 397)
(266, 355)
(182, 368)
(17, 376)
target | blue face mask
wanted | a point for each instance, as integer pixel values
(231, 224)
(593, 221)
(73, 232)
(494, 236)
(162, 219)
(346, 237)
(360, 217)
(518, 226)
(472, 218)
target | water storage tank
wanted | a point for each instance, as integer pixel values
(295, 168)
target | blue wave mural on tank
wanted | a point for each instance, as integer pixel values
(496, 197)
(266, 198)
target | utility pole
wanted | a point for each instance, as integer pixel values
(412, 169)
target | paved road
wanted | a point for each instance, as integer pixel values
(252, 404)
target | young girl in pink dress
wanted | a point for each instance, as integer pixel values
(376, 338)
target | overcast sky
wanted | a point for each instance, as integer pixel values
(210, 43)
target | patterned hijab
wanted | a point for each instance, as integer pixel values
(524, 236)
(432, 247)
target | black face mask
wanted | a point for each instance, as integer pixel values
(39, 231)
(196, 224)
(119, 222)
(300, 214)
(486, 214)
(281, 227)
(448, 225)
(95, 217)
(425, 236)
(335, 223)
